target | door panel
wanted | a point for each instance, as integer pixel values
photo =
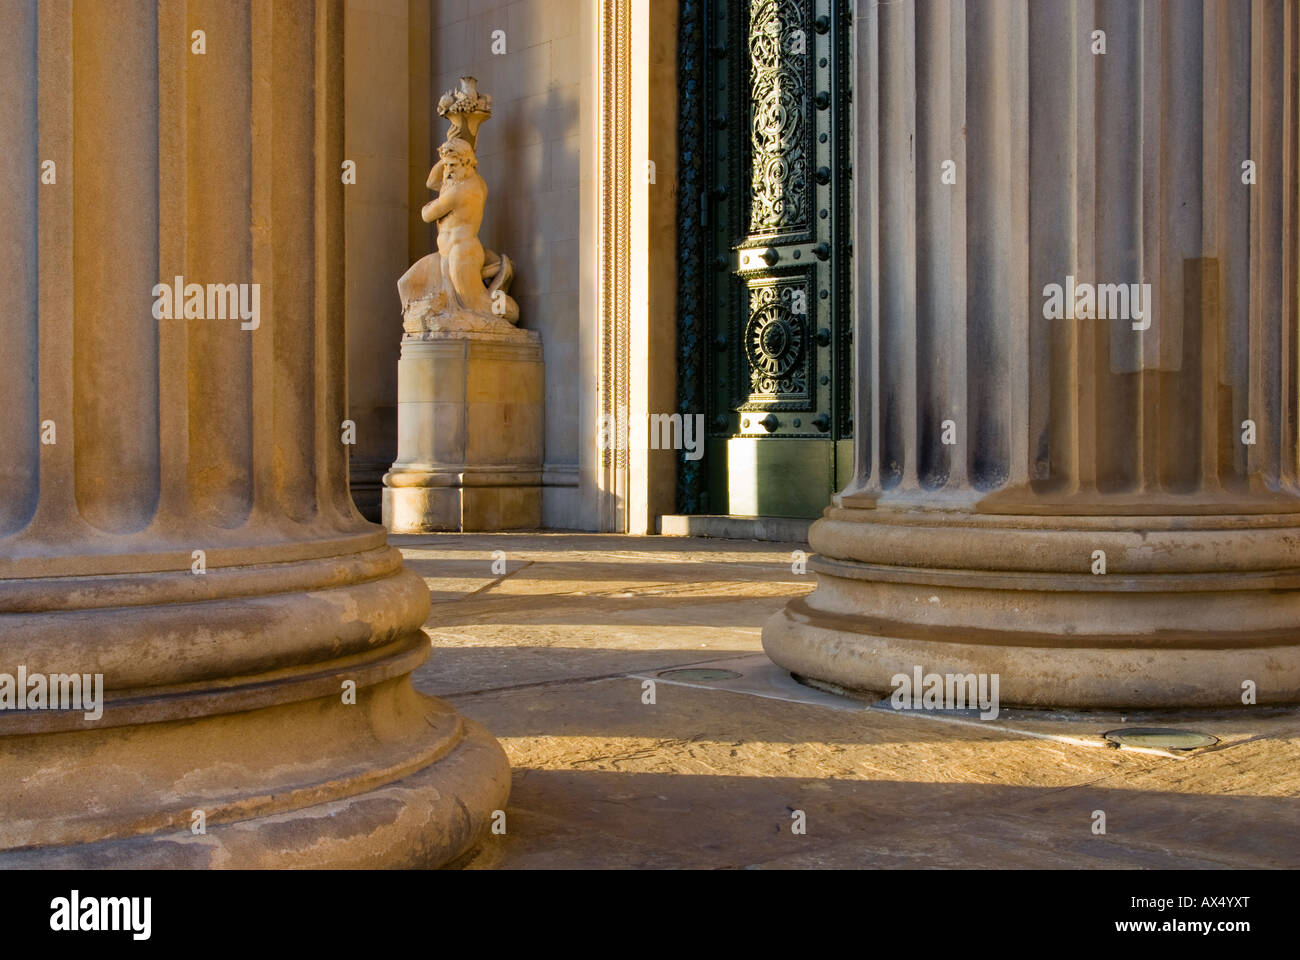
(775, 211)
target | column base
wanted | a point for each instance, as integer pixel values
(432, 817)
(450, 503)
(1189, 610)
(264, 717)
(366, 484)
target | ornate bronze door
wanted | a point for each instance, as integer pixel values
(772, 315)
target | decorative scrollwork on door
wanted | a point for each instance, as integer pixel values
(778, 51)
(764, 336)
(775, 343)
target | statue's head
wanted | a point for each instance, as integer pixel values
(458, 158)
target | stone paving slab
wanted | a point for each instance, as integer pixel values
(552, 655)
(758, 676)
(586, 605)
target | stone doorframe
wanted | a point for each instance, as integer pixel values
(628, 264)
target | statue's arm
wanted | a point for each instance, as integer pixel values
(435, 210)
(435, 177)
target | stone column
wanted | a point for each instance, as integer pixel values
(1104, 511)
(174, 508)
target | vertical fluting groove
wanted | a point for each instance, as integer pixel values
(1089, 346)
(866, 260)
(1209, 120)
(293, 224)
(1153, 348)
(989, 232)
(1289, 251)
(115, 251)
(1118, 142)
(1054, 144)
(1258, 458)
(1268, 400)
(1231, 237)
(935, 313)
(1213, 321)
(1210, 308)
(933, 149)
(19, 268)
(174, 505)
(218, 160)
(1273, 244)
(1211, 399)
(1290, 317)
(1117, 243)
(913, 181)
(958, 278)
(265, 497)
(1286, 372)
(56, 509)
(1016, 171)
(1188, 295)
(896, 168)
(331, 335)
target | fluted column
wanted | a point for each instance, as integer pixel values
(1101, 508)
(174, 511)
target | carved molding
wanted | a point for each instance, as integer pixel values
(692, 362)
(613, 262)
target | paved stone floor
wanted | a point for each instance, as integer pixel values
(552, 656)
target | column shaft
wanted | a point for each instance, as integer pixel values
(184, 530)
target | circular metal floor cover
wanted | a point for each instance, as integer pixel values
(1160, 738)
(697, 675)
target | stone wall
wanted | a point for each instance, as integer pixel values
(377, 64)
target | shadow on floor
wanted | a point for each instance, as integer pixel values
(635, 820)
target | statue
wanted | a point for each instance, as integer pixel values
(462, 288)
(463, 463)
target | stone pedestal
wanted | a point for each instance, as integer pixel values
(1101, 508)
(470, 421)
(174, 509)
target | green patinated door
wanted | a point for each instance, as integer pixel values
(775, 218)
